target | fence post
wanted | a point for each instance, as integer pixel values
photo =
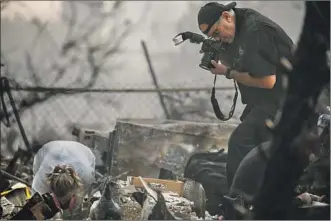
(151, 70)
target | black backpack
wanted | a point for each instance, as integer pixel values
(209, 169)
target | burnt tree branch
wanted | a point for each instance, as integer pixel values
(309, 75)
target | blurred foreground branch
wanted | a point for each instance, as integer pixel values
(308, 73)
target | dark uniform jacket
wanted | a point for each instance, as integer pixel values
(256, 33)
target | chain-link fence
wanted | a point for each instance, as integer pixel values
(54, 117)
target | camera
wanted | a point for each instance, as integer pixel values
(210, 48)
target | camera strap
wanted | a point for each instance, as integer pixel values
(216, 107)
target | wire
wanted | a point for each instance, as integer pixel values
(105, 90)
(12, 177)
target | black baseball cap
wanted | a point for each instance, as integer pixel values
(211, 12)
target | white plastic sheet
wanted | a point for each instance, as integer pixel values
(72, 153)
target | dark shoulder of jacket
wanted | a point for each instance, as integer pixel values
(248, 20)
(255, 21)
(263, 22)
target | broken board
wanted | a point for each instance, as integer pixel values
(168, 185)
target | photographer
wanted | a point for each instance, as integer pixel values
(245, 33)
(66, 169)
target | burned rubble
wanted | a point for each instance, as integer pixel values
(126, 196)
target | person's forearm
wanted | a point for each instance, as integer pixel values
(248, 80)
(245, 78)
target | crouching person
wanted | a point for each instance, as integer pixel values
(65, 169)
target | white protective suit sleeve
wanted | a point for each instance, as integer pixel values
(72, 153)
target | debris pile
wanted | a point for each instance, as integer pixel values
(179, 206)
(131, 209)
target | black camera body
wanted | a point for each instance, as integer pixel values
(211, 51)
(210, 48)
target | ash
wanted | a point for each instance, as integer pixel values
(158, 186)
(130, 208)
(179, 206)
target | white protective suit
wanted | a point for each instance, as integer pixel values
(54, 153)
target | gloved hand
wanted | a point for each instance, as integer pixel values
(308, 198)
